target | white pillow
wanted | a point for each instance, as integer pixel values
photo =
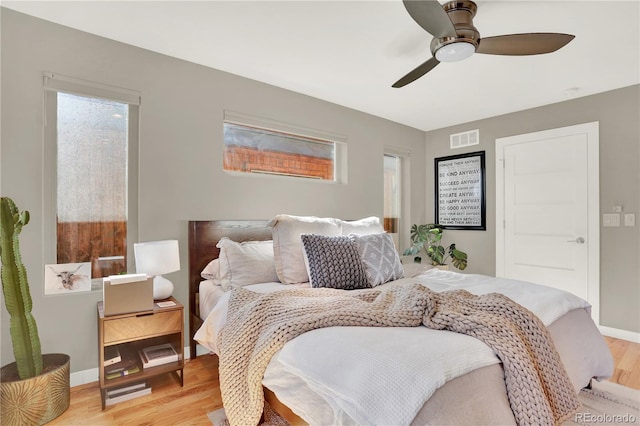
(212, 270)
(366, 226)
(249, 262)
(287, 244)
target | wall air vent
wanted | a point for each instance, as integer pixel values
(461, 140)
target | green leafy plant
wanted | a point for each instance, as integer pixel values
(17, 297)
(427, 237)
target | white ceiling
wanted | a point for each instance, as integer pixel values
(351, 52)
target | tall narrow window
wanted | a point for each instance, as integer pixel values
(392, 193)
(89, 143)
(92, 183)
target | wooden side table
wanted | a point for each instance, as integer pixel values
(134, 331)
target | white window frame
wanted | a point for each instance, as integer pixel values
(339, 141)
(404, 221)
(52, 84)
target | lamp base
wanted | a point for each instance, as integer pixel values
(162, 288)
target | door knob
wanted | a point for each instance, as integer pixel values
(578, 240)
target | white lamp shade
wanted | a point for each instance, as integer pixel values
(157, 257)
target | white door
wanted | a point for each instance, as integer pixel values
(547, 228)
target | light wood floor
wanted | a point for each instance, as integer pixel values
(626, 356)
(170, 404)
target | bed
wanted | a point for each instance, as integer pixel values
(389, 367)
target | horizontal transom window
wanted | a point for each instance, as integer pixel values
(252, 148)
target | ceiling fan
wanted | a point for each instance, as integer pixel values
(455, 38)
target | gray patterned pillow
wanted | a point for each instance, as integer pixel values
(333, 262)
(379, 256)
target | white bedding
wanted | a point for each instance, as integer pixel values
(207, 335)
(209, 293)
(378, 360)
(547, 303)
(372, 361)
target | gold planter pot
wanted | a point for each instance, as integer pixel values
(37, 400)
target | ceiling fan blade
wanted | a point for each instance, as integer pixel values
(523, 44)
(431, 16)
(418, 72)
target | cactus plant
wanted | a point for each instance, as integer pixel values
(17, 297)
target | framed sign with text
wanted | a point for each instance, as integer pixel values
(460, 191)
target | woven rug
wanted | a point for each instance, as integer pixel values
(270, 417)
(604, 403)
(607, 403)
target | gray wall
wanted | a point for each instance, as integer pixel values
(181, 177)
(180, 168)
(618, 112)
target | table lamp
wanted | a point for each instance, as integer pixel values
(156, 258)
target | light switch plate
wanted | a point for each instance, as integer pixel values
(611, 219)
(629, 219)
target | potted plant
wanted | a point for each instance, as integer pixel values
(34, 389)
(427, 237)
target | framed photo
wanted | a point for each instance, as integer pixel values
(65, 278)
(460, 191)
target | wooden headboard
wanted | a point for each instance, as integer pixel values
(203, 237)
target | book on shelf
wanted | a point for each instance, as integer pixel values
(126, 389)
(129, 364)
(126, 393)
(158, 355)
(121, 373)
(125, 364)
(111, 355)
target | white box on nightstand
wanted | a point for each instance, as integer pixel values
(123, 294)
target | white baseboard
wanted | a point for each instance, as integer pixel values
(91, 375)
(83, 377)
(617, 333)
(201, 350)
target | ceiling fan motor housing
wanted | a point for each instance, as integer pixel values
(461, 14)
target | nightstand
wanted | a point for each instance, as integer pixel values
(134, 331)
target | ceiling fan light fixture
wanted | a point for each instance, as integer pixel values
(456, 51)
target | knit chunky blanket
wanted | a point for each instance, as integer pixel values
(258, 325)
